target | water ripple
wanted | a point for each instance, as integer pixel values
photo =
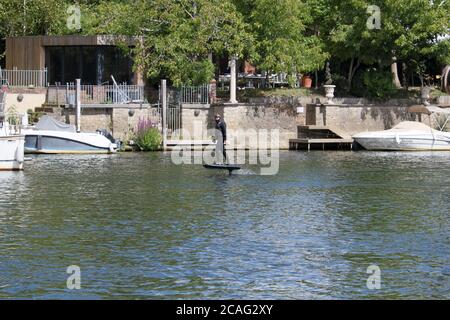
(140, 227)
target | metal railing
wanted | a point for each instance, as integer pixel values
(23, 78)
(12, 122)
(173, 120)
(2, 105)
(96, 94)
(194, 94)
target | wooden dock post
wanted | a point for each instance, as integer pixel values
(164, 112)
(78, 105)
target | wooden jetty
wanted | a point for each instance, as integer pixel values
(315, 137)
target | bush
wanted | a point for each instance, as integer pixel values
(341, 84)
(12, 116)
(33, 117)
(375, 84)
(148, 137)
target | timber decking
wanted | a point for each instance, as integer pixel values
(320, 138)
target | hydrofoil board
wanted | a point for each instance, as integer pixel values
(229, 167)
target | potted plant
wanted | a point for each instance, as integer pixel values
(329, 87)
(307, 81)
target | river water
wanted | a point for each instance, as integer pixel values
(141, 227)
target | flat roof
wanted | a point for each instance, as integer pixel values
(78, 40)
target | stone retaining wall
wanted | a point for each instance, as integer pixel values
(244, 120)
(281, 113)
(355, 119)
(22, 102)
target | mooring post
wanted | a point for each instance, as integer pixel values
(78, 103)
(233, 79)
(164, 112)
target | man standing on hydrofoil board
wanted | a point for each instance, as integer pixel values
(221, 139)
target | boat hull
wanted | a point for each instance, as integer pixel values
(11, 153)
(48, 142)
(404, 143)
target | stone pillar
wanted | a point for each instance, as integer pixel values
(213, 91)
(233, 79)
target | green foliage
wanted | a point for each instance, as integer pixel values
(379, 84)
(36, 17)
(409, 31)
(12, 116)
(33, 117)
(375, 84)
(147, 136)
(281, 41)
(176, 38)
(442, 52)
(179, 36)
(149, 140)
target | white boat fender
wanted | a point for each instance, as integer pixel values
(20, 157)
(397, 138)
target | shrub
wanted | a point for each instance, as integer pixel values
(341, 84)
(379, 84)
(33, 117)
(375, 84)
(12, 115)
(148, 137)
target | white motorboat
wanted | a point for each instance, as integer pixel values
(11, 144)
(406, 136)
(50, 136)
(11, 151)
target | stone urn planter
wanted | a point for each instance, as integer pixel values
(425, 95)
(329, 92)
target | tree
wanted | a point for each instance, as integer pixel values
(31, 17)
(409, 30)
(36, 17)
(282, 42)
(177, 37)
(412, 28)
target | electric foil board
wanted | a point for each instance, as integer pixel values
(228, 167)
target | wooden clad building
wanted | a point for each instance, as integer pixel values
(92, 58)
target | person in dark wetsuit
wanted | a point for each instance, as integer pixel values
(221, 138)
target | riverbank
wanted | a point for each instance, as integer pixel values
(277, 112)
